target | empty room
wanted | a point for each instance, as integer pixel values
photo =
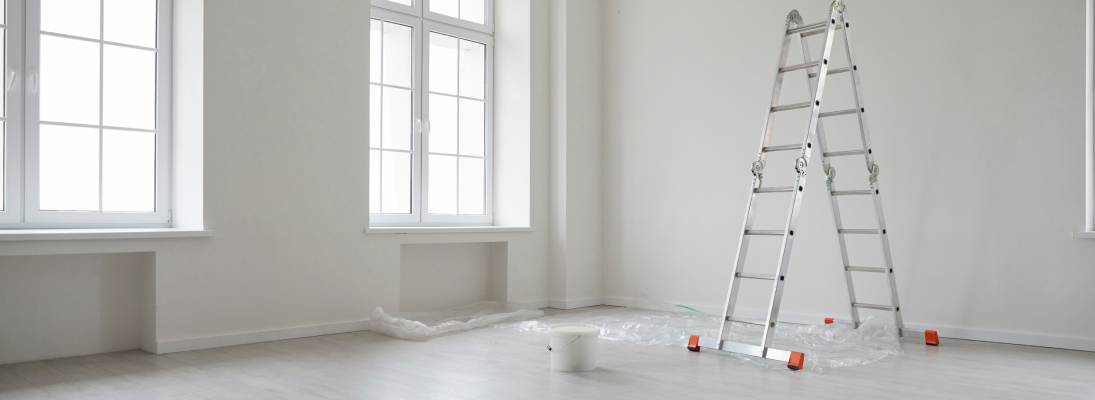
(547, 199)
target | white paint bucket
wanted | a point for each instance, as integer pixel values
(573, 347)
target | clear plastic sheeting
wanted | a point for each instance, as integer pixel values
(826, 346)
(423, 325)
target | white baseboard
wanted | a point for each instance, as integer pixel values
(572, 304)
(534, 304)
(208, 342)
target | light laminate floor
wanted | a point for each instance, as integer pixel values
(494, 364)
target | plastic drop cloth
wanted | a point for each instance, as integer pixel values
(423, 325)
(651, 322)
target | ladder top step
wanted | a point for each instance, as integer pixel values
(810, 29)
(794, 106)
(763, 232)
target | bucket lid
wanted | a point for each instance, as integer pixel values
(573, 329)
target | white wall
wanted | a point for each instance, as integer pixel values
(435, 277)
(285, 184)
(63, 305)
(576, 154)
(977, 117)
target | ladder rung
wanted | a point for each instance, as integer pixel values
(817, 31)
(858, 231)
(835, 113)
(831, 72)
(745, 321)
(865, 269)
(810, 27)
(798, 67)
(844, 153)
(791, 106)
(761, 232)
(768, 277)
(850, 192)
(872, 306)
(774, 190)
(783, 147)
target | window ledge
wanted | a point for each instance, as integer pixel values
(1084, 235)
(446, 229)
(84, 234)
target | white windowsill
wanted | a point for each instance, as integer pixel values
(83, 234)
(446, 229)
(1084, 235)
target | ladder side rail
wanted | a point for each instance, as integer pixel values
(830, 184)
(762, 156)
(800, 183)
(857, 90)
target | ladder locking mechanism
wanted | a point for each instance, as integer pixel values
(873, 169)
(800, 165)
(758, 168)
(794, 17)
(830, 174)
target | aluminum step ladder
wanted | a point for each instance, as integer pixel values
(817, 72)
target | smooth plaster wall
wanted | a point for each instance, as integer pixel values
(286, 179)
(976, 110)
(435, 277)
(64, 305)
(576, 156)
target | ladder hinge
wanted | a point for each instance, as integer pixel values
(873, 169)
(758, 168)
(800, 165)
(830, 174)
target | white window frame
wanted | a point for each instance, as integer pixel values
(416, 115)
(21, 149)
(423, 23)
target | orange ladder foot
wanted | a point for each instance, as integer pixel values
(828, 320)
(795, 363)
(931, 338)
(694, 343)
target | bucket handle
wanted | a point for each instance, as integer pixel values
(565, 345)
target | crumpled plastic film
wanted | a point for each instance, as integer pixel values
(423, 325)
(652, 322)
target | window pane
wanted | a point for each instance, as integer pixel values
(69, 81)
(71, 17)
(471, 127)
(374, 116)
(375, 39)
(129, 87)
(129, 171)
(396, 122)
(473, 11)
(443, 59)
(398, 49)
(69, 168)
(7, 74)
(471, 185)
(443, 123)
(442, 197)
(130, 22)
(472, 59)
(396, 180)
(446, 7)
(374, 181)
